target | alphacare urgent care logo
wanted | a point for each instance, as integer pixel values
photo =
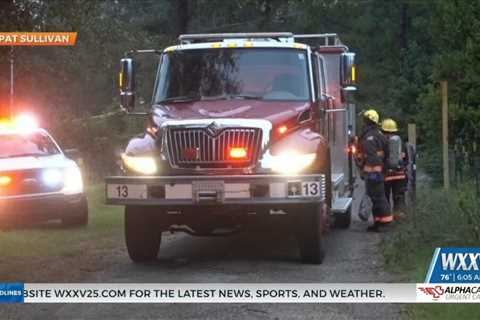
(449, 293)
(436, 292)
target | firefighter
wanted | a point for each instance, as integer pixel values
(373, 151)
(144, 143)
(396, 173)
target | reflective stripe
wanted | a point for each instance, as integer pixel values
(384, 219)
(381, 153)
(397, 177)
(368, 168)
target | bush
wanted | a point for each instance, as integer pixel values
(100, 140)
(441, 219)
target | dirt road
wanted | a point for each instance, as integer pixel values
(352, 256)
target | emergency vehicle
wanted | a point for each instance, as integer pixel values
(242, 127)
(38, 182)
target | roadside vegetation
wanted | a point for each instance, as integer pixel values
(441, 219)
(50, 252)
(420, 43)
(404, 49)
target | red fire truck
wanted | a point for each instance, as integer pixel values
(242, 127)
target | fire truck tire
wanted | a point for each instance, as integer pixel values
(79, 218)
(311, 224)
(343, 220)
(142, 234)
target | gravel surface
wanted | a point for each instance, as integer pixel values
(352, 256)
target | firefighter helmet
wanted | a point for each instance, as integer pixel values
(389, 125)
(372, 115)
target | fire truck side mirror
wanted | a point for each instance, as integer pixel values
(348, 74)
(126, 81)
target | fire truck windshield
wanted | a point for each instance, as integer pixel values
(34, 144)
(233, 73)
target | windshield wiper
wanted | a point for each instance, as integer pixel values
(232, 96)
(245, 96)
(25, 155)
(179, 99)
(210, 98)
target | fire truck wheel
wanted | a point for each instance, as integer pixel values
(311, 226)
(79, 217)
(343, 220)
(142, 234)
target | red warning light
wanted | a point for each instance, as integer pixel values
(238, 153)
(282, 129)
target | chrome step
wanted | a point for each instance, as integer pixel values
(341, 205)
(337, 179)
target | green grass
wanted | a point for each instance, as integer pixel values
(436, 311)
(52, 239)
(441, 219)
(446, 311)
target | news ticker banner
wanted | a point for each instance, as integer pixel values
(238, 293)
(453, 277)
(38, 38)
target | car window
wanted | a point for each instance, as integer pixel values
(21, 145)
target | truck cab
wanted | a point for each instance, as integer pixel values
(242, 128)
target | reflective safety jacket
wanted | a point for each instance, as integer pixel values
(372, 151)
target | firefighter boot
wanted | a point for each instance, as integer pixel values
(374, 227)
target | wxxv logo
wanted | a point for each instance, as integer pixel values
(460, 261)
(455, 265)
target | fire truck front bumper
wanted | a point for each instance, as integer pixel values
(171, 191)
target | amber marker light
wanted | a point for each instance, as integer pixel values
(352, 149)
(5, 181)
(282, 129)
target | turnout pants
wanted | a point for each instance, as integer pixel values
(396, 189)
(375, 188)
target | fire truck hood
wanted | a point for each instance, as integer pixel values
(25, 163)
(276, 112)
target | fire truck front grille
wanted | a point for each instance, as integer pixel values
(206, 148)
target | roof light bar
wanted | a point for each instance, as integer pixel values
(202, 37)
(23, 123)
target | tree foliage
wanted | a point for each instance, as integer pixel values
(404, 48)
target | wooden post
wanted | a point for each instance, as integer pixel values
(412, 134)
(411, 194)
(446, 174)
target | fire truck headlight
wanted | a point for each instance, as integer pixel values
(288, 162)
(73, 182)
(142, 165)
